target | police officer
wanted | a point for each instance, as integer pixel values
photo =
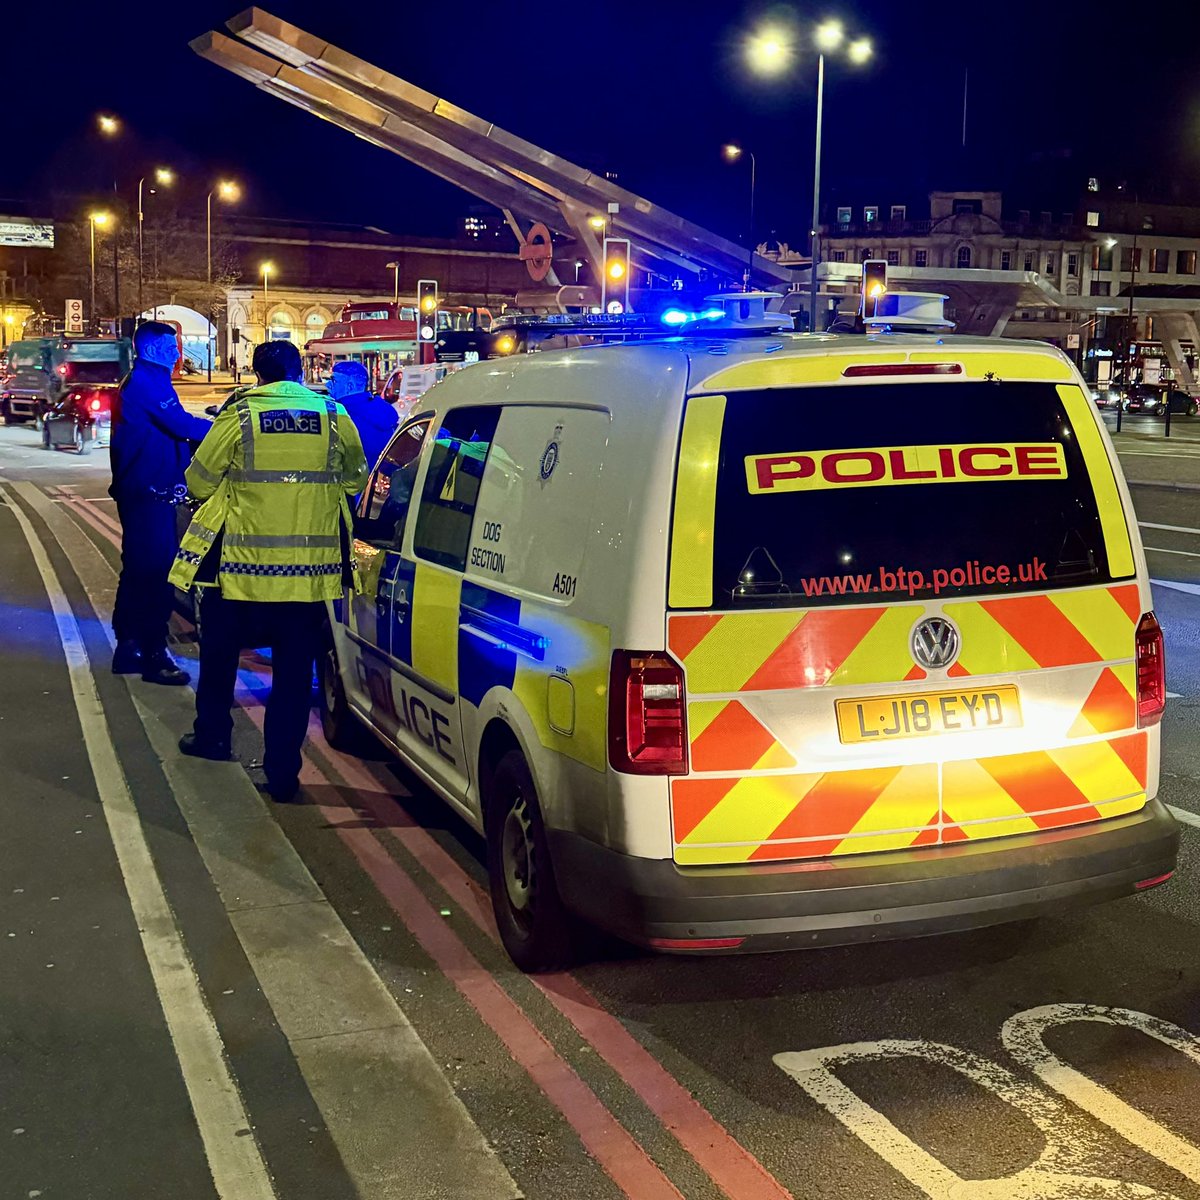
(274, 474)
(150, 450)
(373, 417)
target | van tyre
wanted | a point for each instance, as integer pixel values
(534, 924)
(342, 729)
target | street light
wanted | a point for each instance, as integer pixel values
(109, 125)
(395, 268)
(164, 177)
(267, 268)
(733, 153)
(228, 191)
(769, 52)
(102, 220)
(7, 328)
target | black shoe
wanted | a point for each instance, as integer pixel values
(127, 659)
(161, 668)
(191, 745)
(281, 793)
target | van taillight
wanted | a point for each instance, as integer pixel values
(1151, 672)
(647, 733)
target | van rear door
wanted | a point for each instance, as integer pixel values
(907, 616)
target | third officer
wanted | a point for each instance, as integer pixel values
(274, 474)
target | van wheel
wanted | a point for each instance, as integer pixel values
(342, 729)
(535, 926)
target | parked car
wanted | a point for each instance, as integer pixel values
(1105, 397)
(80, 418)
(1152, 401)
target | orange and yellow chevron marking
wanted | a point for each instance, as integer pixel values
(725, 736)
(772, 651)
(1045, 789)
(1057, 629)
(801, 816)
(1111, 705)
(753, 818)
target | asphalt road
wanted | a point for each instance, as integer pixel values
(374, 1041)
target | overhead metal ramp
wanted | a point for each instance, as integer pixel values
(528, 183)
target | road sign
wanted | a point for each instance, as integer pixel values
(74, 316)
(537, 253)
(1072, 341)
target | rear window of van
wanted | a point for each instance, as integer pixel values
(876, 493)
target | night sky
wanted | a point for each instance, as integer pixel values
(646, 88)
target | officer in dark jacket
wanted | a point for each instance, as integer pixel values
(373, 417)
(150, 451)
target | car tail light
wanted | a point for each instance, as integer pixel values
(646, 726)
(869, 370)
(97, 404)
(1151, 672)
(64, 370)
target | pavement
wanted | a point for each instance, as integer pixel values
(202, 994)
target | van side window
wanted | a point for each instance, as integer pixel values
(389, 492)
(451, 489)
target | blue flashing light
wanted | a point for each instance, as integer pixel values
(675, 317)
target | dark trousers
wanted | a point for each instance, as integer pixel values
(293, 632)
(144, 597)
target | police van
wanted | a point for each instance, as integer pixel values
(731, 643)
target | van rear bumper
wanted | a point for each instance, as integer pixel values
(869, 897)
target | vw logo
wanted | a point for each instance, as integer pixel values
(935, 642)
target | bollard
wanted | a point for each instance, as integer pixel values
(1119, 406)
(1167, 425)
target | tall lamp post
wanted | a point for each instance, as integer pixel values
(164, 178)
(110, 127)
(6, 329)
(102, 219)
(770, 52)
(267, 270)
(229, 191)
(732, 153)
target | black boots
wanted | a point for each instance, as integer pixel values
(158, 667)
(192, 746)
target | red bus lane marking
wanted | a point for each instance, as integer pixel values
(725, 1160)
(607, 1141)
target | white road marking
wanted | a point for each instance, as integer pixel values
(1071, 1146)
(1184, 816)
(234, 1158)
(1183, 553)
(1191, 588)
(1024, 1037)
(1169, 528)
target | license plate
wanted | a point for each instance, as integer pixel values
(887, 718)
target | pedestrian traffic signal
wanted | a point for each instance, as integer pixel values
(427, 306)
(874, 284)
(616, 275)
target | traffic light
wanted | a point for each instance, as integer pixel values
(615, 292)
(427, 305)
(874, 284)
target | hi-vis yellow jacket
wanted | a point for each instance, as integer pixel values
(274, 473)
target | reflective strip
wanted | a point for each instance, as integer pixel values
(281, 569)
(1104, 484)
(203, 472)
(188, 556)
(284, 541)
(331, 459)
(201, 533)
(282, 477)
(691, 584)
(793, 370)
(246, 424)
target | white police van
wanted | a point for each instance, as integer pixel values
(736, 642)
